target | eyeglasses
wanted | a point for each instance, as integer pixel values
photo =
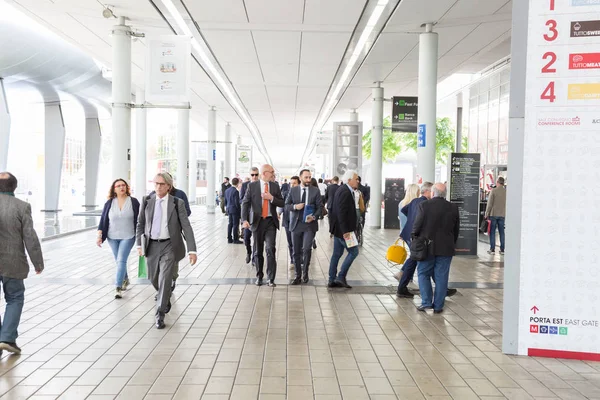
(253, 174)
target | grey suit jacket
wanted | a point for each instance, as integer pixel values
(16, 235)
(252, 203)
(295, 197)
(177, 226)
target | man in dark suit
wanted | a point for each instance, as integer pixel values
(234, 210)
(438, 221)
(224, 186)
(366, 193)
(294, 181)
(330, 194)
(303, 225)
(285, 188)
(342, 225)
(248, 232)
(161, 223)
(259, 213)
(17, 235)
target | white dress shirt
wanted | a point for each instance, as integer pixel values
(164, 227)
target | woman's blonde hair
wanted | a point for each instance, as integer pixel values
(412, 192)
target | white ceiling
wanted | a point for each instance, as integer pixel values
(281, 56)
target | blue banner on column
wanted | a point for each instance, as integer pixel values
(214, 154)
(422, 136)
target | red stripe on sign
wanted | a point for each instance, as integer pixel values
(571, 355)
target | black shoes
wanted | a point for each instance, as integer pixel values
(404, 293)
(168, 307)
(314, 244)
(451, 292)
(438, 311)
(160, 324)
(248, 258)
(332, 284)
(173, 284)
(238, 242)
(11, 347)
(270, 283)
(229, 241)
(305, 279)
(295, 281)
(423, 308)
(259, 282)
(342, 283)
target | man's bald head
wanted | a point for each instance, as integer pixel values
(8, 182)
(267, 173)
(439, 190)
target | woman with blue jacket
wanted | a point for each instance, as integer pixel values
(117, 224)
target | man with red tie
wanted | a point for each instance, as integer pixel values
(259, 213)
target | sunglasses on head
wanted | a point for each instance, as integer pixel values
(253, 174)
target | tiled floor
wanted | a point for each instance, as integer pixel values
(237, 341)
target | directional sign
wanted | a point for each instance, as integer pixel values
(422, 136)
(404, 112)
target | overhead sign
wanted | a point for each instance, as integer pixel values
(464, 192)
(168, 69)
(324, 143)
(243, 159)
(558, 311)
(404, 114)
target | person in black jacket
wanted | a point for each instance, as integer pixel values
(117, 224)
(342, 225)
(366, 192)
(248, 232)
(294, 181)
(234, 210)
(438, 221)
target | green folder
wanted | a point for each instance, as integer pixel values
(142, 269)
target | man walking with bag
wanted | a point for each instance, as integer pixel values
(16, 236)
(438, 223)
(496, 212)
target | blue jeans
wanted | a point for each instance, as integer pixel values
(14, 294)
(338, 250)
(121, 249)
(499, 222)
(408, 270)
(438, 268)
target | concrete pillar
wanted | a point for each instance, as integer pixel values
(54, 149)
(428, 67)
(193, 173)
(229, 169)
(93, 143)
(516, 158)
(183, 149)
(459, 122)
(141, 146)
(4, 128)
(211, 163)
(376, 158)
(121, 97)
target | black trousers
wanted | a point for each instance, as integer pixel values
(290, 244)
(264, 239)
(233, 230)
(248, 240)
(302, 251)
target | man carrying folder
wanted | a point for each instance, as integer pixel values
(304, 204)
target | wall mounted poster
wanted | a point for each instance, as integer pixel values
(243, 160)
(464, 192)
(559, 310)
(168, 69)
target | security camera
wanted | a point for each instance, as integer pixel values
(108, 13)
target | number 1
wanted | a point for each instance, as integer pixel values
(551, 5)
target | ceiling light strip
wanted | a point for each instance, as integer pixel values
(376, 15)
(215, 72)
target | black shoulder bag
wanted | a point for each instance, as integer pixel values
(420, 248)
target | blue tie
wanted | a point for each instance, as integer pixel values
(156, 220)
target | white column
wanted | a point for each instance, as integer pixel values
(211, 164)
(516, 159)
(376, 158)
(193, 173)
(459, 122)
(229, 170)
(121, 97)
(183, 149)
(93, 142)
(141, 146)
(428, 67)
(4, 128)
(54, 148)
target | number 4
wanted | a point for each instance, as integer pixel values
(548, 93)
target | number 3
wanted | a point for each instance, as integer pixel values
(551, 24)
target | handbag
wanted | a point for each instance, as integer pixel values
(421, 248)
(397, 253)
(484, 227)
(142, 268)
(361, 204)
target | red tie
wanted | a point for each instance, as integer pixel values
(265, 208)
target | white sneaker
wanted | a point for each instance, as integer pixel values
(125, 284)
(492, 253)
(398, 275)
(118, 294)
(501, 253)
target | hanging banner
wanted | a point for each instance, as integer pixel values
(243, 159)
(404, 114)
(168, 69)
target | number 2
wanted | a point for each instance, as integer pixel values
(548, 93)
(546, 68)
(551, 24)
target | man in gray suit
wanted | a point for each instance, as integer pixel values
(162, 221)
(16, 235)
(304, 203)
(259, 213)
